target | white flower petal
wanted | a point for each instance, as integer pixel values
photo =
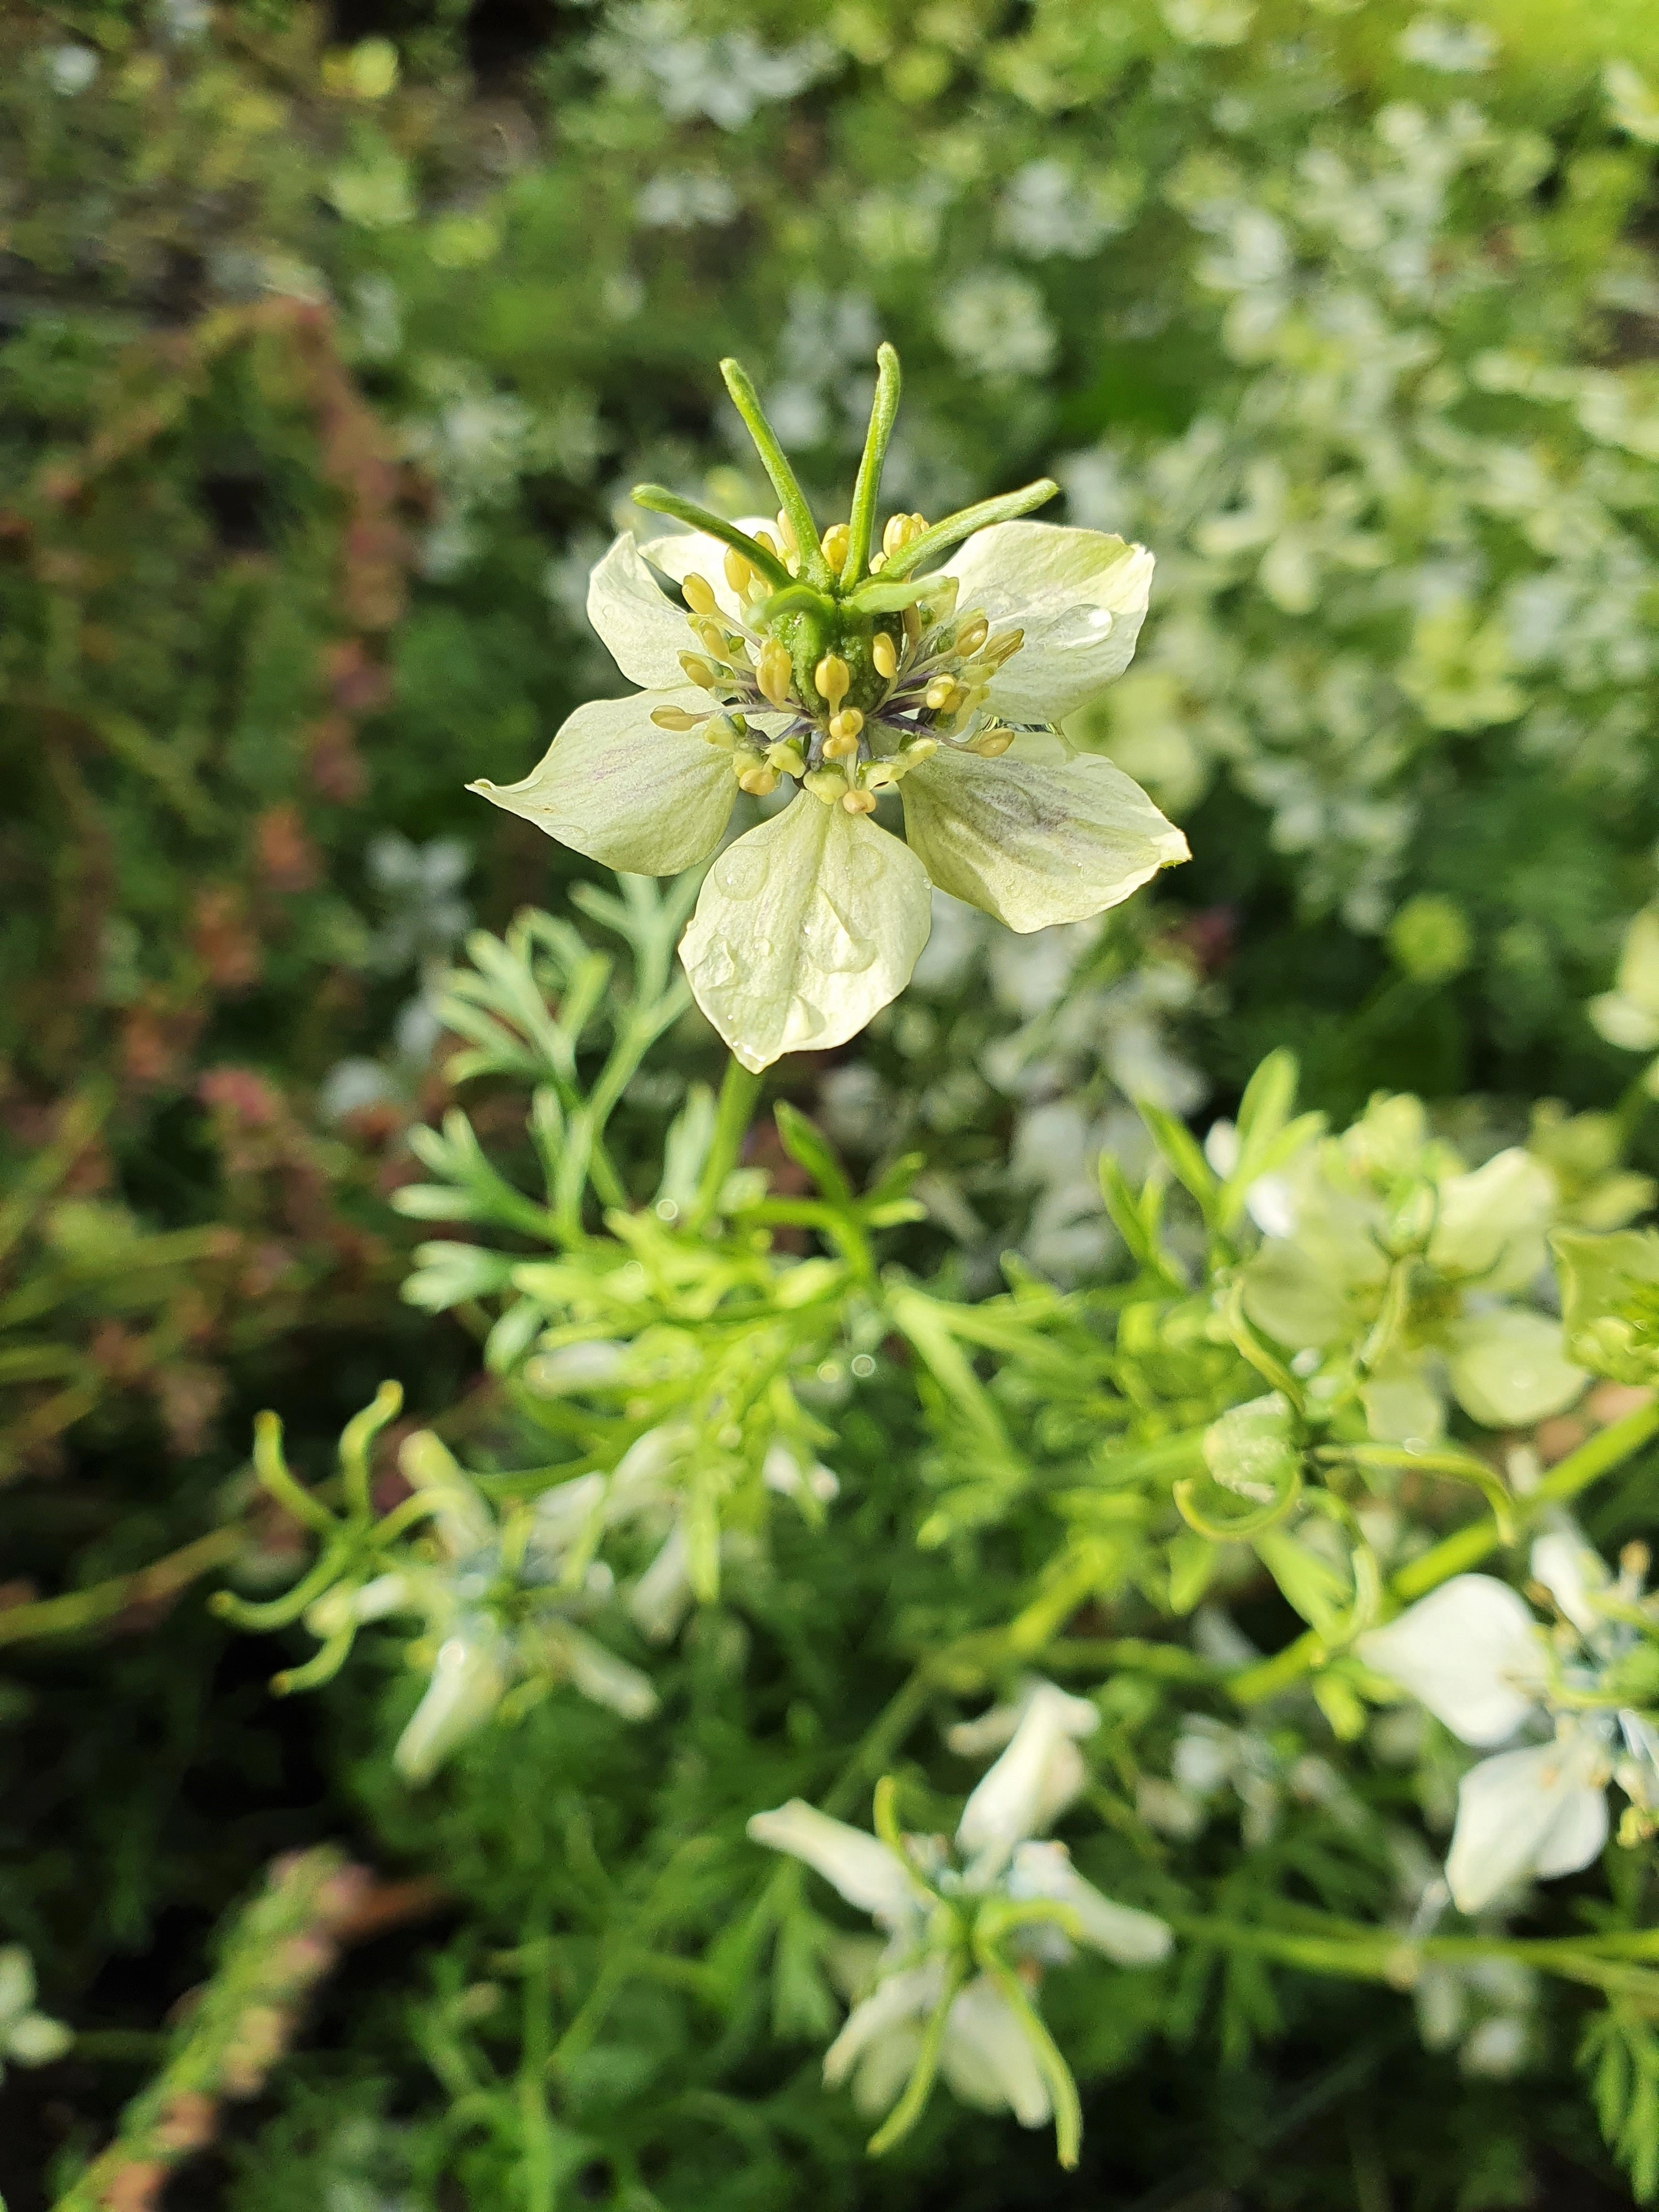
(1535, 1812)
(1036, 844)
(1018, 1794)
(468, 1681)
(1470, 1651)
(1124, 1934)
(986, 2057)
(633, 797)
(902, 1996)
(608, 1680)
(859, 1866)
(1491, 1223)
(1079, 595)
(17, 1984)
(639, 625)
(997, 1723)
(1509, 1368)
(37, 2041)
(661, 1598)
(805, 928)
(1570, 1571)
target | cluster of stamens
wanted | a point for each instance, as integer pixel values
(915, 680)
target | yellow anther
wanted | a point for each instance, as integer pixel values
(972, 635)
(831, 676)
(858, 802)
(738, 574)
(773, 673)
(791, 562)
(1003, 645)
(839, 748)
(702, 672)
(895, 535)
(787, 533)
(757, 779)
(877, 562)
(787, 759)
(698, 597)
(837, 539)
(825, 783)
(766, 542)
(989, 744)
(921, 749)
(847, 724)
(884, 657)
(675, 718)
(714, 639)
(941, 695)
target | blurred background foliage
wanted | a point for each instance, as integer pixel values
(329, 347)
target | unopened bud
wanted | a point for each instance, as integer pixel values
(858, 802)
(831, 676)
(837, 539)
(738, 574)
(675, 718)
(972, 635)
(773, 673)
(698, 595)
(990, 744)
(703, 673)
(883, 657)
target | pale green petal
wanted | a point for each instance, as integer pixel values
(1638, 963)
(1633, 1028)
(1036, 845)
(640, 626)
(1401, 1405)
(1080, 598)
(612, 785)
(1509, 1368)
(1491, 1223)
(684, 553)
(805, 928)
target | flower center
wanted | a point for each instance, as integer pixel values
(866, 697)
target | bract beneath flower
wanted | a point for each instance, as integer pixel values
(1035, 844)
(803, 929)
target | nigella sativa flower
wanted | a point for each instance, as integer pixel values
(970, 1930)
(1473, 1653)
(848, 671)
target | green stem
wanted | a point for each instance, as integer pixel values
(956, 527)
(84, 1608)
(739, 1088)
(861, 525)
(657, 501)
(791, 498)
(1465, 1548)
